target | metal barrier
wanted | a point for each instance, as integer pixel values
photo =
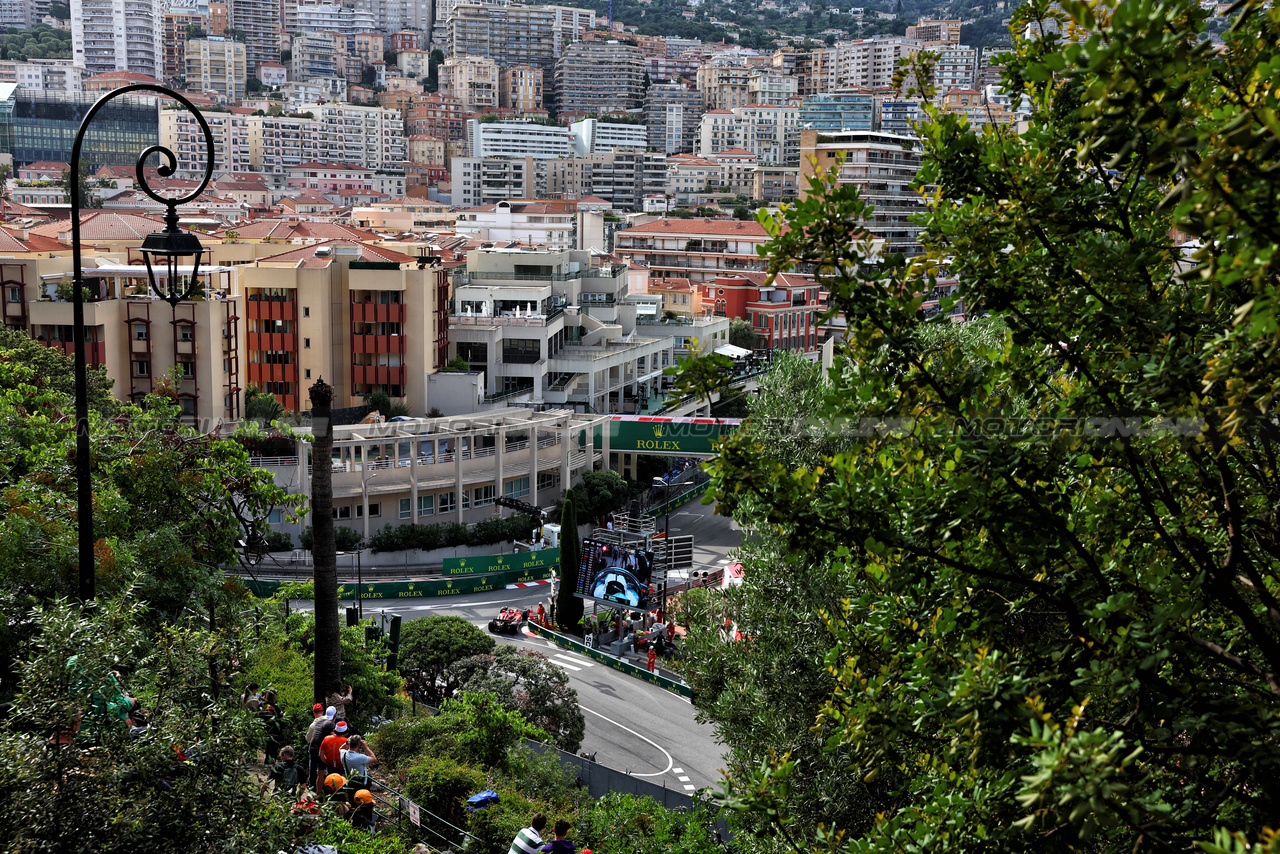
(600, 780)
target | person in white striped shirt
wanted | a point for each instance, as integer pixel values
(529, 839)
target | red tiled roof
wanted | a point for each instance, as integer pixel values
(740, 228)
(46, 166)
(276, 229)
(10, 242)
(103, 225)
(131, 76)
(310, 260)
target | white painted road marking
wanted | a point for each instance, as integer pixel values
(677, 770)
(670, 761)
(572, 660)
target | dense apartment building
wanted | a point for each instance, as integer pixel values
(518, 139)
(372, 137)
(723, 85)
(217, 66)
(259, 20)
(520, 88)
(846, 109)
(883, 166)
(180, 132)
(487, 180)
(935, 31)
(436, 115)
(317, 55)
(593, 136)
(783, 314)
(771, 132)
(363, 317)
(598, 77)
(690, 180)
(808, 66)
(174, 40)
(542, 223)
(672, 112)
(118, 35)
(694, 249)
(509, 35)
(473, 80)
(139, 339)
(869, 63)
(552, 327)
(623, 177)
(956, 68)
(765, 86)
(53, 75)
(278, 143)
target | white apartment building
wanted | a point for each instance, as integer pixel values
(592, 136)
(52, 75)
(216, 65)
(371, 137)
(550, 327)
(488, 180)
(118, 35)
(180, 132)
(765, 86)
(518, 139)
(870, 63)
(317, 90)
(473, 80)
(444, 8)
(538, 223)
(688, 179)
(277, 143)
(769, 131)
(956, 69)
(570, 25)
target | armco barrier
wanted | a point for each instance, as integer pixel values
(609, 661)
(428, 587)
(680, 500)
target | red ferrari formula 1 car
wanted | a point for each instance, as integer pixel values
(507, 622)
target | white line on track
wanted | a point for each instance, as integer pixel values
(670, 762)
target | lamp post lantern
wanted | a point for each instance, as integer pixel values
(666, 534)
(167, 247)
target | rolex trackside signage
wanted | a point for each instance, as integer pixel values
(498, 563)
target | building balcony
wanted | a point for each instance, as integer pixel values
(370, 312)
(262, 373)
(273, 341)
(378, 375)
(377, 343)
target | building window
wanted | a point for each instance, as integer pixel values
(343, 512)
(448, 502)
(185, 333)
(427, 505)
(139, 332)
(517, 488)
(306, 343)
(141, 368)
(306, 311)
(375, 509)
(275, 517)
(188, 368)
(484, 494)
(406, 507)
(306, 374)
(15, 294)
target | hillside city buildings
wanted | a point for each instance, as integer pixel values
(510, 217)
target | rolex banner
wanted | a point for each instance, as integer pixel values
(497, 563)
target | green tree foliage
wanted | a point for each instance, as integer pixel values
(52, 370)
(569, 606)
(701, 375)
(84, 192)
(262, 407)
(450, 534)
(741, 334)
(1059, 629)
(526, 682)
(429, 645)
(600, 493)
(346, 539)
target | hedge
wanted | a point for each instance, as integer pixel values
(450, 534)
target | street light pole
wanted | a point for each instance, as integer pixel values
(666, 535)
(169, 247)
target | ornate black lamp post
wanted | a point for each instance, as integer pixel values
(165, 249)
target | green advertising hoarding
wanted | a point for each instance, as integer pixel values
(673, 436)
(497, 563)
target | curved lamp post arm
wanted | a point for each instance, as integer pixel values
(84, 483)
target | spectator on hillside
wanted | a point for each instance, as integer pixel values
(339, 696)
(323, 728)
(285, 774)
(362, 815)
(529, 840)
(273, 723)
(250, 698)
(331, 747)
(357, 756)
(560, 845)
(333, 791)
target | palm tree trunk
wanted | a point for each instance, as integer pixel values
(324, 551)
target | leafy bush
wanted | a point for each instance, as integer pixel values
(347, 539)
(428, 646)
(400, 742)
(450, 534)
(528, 683)
(279, 541)
(540, 776)
(495, 826)
(485, 731)
(281, 666)
(620, 822)
(440, 785)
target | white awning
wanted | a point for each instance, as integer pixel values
(733, 352)
(646, 308)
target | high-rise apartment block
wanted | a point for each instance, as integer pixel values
(518, 139)
(436, 115)
(180, 132)
(520, 88)
(869, 63)
(623, 177)
(723, 85)
(847, 109)
(597, 77)
(769, 131)
(956, 68)
(509, 35)
(672, 112)
(883, 166)
(936, 31)
(765, 86)
(118, 35)
(278, 143)
(217, 66)
(371, 137)
(488, 180)
(473, 80)
(259, 20)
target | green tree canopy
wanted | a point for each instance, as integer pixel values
(429, 645)
(1059, 629)
(741, 334)
(527, 682)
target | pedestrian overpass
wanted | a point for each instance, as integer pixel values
(669, 437)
